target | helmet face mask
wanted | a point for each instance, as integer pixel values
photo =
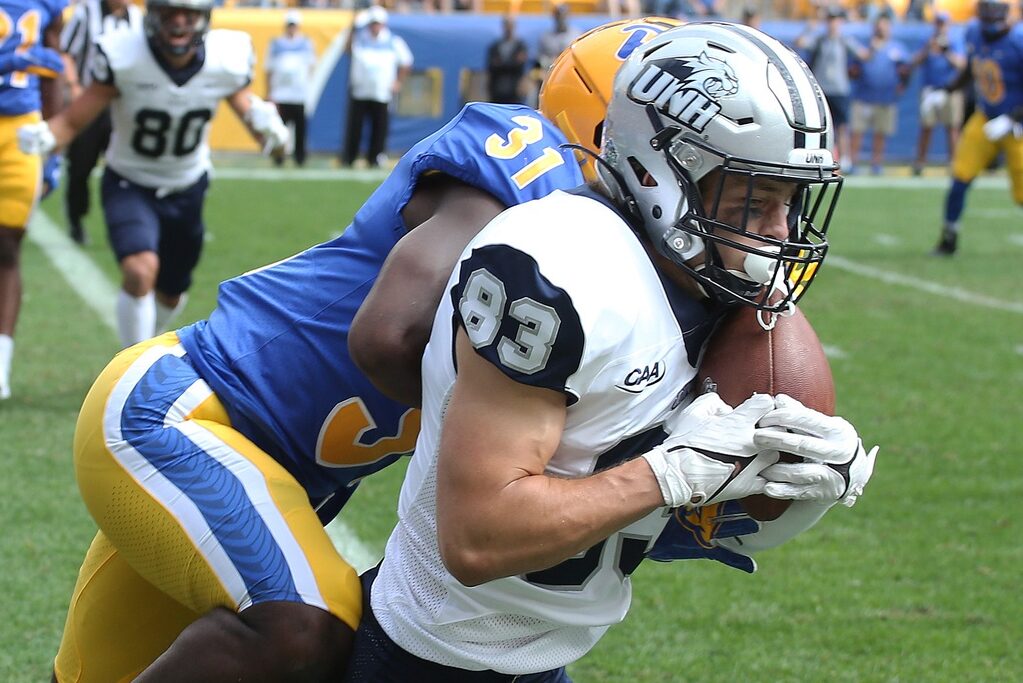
(743, 264)
(712, 110)
(993, 16)
(177, 26)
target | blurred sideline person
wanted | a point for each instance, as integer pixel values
(551, 44)
(290, 60)
(994, 51)
(884, 72)
(506, 65)
(828, 55)
(556, 434)
(89, 20)
(381, 62)
(29, 66)
(210, 458)
(940, 63)
(163, 86)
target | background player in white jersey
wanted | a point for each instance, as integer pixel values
(542, 475)
(163, 86)
(209, 457)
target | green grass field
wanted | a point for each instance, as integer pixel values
(919, 582)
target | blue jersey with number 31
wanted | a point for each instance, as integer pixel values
(275, 350)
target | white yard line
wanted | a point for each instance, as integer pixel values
(100, 294)
(834, 352)
(943, 291)
(81, 273)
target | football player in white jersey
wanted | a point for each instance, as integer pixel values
(163, 86)
(557, 426)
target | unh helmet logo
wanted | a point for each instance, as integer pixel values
(713, 77)
(686, 89)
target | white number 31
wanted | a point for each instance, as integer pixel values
(483, 307)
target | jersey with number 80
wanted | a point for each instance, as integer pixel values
(556, 293)
(160, 121)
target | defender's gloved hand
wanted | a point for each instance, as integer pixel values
(266, 121)
(694, 535)
(1000, 126)
(36, 138)
(836, 466)
(51, 175)
(709, 455)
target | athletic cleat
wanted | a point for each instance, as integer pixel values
(78, 234)
(947, 245)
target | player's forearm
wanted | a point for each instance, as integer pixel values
(80, 113)
(388, 350)
(539, 521)
(499, 512)
(50, 93)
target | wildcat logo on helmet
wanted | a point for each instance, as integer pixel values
(687, 90)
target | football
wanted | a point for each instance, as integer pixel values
(742, 358)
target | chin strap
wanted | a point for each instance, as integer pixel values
(619, 192)
(768, 319)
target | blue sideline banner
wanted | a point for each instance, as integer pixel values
(450, 55)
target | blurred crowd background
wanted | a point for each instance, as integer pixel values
(498, 50)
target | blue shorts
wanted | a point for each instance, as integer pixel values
(171, 226)
(839, 106)
(378, 659)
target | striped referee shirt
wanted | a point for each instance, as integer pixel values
(90, 20)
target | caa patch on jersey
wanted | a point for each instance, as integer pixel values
(517, 319)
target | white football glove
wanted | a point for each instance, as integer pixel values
(36, 138)
(1000, 126)
(932, 101)
(709, 455)
(836, 466)
(265, 120)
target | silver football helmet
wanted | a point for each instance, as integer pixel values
(154, 22)
(714, 96)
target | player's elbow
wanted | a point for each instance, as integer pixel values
(366, 345)
(386, 351)
(469, 564)
(466, 551)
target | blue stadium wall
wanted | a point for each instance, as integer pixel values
(449, 45)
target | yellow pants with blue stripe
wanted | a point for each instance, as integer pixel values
(191, 516)
(20, 174)
(974, 153)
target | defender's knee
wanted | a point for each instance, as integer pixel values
(297, 642)
(10, 247)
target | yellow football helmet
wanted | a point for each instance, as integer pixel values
(577, 88)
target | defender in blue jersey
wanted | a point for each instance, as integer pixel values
(230, 434)
(211, 457)
(995, 53)
(29, 64)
